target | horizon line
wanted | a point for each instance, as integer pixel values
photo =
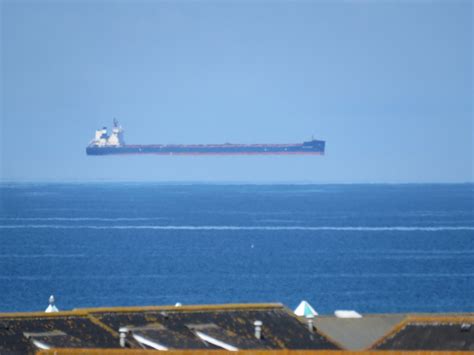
(233, 182)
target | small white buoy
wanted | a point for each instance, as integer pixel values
(178, 304)
(51, 307)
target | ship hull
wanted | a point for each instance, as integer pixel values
(308, 148)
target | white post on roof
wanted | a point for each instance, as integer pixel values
(258, 329)
(51, 307)
(309, 318)
(123, 336)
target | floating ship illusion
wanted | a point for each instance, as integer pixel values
(104, 144)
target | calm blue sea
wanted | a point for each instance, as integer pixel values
(372, 248)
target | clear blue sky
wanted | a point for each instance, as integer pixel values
(388, 85)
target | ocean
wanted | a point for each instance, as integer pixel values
(369, 248)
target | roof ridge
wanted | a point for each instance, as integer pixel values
(196, 308)
(394, 330)
(73, 312)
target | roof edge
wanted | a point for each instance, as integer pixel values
(192, 308)
(74, 312)
(196, 308)
(90, 351)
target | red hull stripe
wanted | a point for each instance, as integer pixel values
(226, 146)
(214, 153)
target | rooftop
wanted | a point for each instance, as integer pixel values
(430, 332)
(357, 333)
(229, 327)
(255, 328)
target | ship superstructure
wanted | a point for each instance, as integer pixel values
(102, 139)
(104, 144)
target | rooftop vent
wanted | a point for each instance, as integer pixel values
(347, 314)
(216, 342)
(51, 307)
(148, 342)
(46, 340)
(40, 345)
(258, 329)
(165, 315)
(304, 309)
(213, 334)
(123, 336)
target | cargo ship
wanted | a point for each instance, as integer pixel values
(114, 144)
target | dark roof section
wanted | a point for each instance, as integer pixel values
(231, 324)
(357, 333)
(20, 333)
(203, 328)
(186, 327)
(430, 333)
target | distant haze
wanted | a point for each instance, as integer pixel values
(388, 85)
